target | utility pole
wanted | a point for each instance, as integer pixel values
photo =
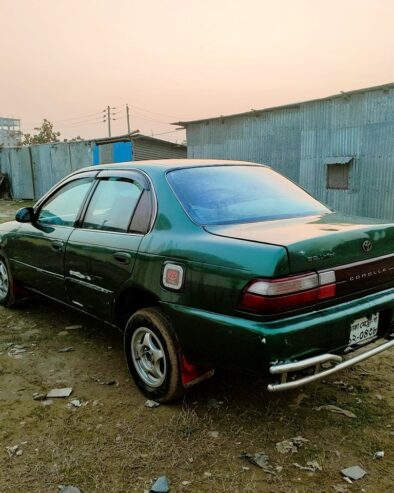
(128, 118)
(109, 120)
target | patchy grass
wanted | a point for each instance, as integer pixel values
(115, 444)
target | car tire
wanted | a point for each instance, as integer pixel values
(153, 355)
(7, 295)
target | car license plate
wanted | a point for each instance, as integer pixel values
(363, 329)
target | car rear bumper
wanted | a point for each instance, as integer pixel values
(236, 342)
(318, 364)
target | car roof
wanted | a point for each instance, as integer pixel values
(168, 164)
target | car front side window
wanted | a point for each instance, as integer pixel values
(112, 205)
(63, 207)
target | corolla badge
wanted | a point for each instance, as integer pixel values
(367, 246)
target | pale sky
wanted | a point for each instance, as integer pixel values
(171, 60)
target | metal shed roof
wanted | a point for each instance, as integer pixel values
(291, 105)
(135, 136)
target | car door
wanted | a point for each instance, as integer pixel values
(37, 254)
(100, 253)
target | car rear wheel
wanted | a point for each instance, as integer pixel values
(152, 355)
(7, 297)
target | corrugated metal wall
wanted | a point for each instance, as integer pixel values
(270, 137)
(150, 149)
(35, 169)
(297, 140)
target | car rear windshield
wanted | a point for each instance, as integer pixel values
(239, 194)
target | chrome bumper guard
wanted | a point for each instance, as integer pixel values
(336, 363)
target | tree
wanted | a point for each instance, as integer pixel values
(45, 134)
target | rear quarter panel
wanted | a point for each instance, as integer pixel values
(216, 268)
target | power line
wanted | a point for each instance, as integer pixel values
(81, 124)
(109, 115)
(131, 109)
(96, 114)
(78, 117)
(138, 115)
(133, 106)
(170, 132)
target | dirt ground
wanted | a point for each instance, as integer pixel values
(114, 444)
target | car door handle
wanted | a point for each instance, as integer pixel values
(57, 246)
(122, 257)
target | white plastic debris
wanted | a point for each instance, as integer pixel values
(69, 489)
(379, 454)
(74, 403)
(213, 434)
(311, 466)
(336, 410)
(39, 397)
(17, 351)
(15, 450)
(151, 404)
(59, 393)
(354, 472)
(291, 446)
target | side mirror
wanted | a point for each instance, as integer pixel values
(25, 215)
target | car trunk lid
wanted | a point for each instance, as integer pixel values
(319, 242)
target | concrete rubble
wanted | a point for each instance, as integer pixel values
(59, 393)
(354, 473)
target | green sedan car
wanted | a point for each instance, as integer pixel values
(205, 264)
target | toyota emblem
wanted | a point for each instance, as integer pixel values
(367, 246)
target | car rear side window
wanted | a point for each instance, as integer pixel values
(62, 208)
(112, 205)
(240, 194)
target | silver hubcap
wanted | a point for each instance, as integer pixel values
(4, 282)
(148, 357)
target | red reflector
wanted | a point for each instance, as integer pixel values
(327, 291)
(172, 276)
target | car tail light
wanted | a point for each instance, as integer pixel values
(276, 295)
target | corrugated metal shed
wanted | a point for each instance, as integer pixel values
(301, 140)
(135, 147)
(145, 147)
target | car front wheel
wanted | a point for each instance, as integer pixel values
(152, 355)
(7, 297)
